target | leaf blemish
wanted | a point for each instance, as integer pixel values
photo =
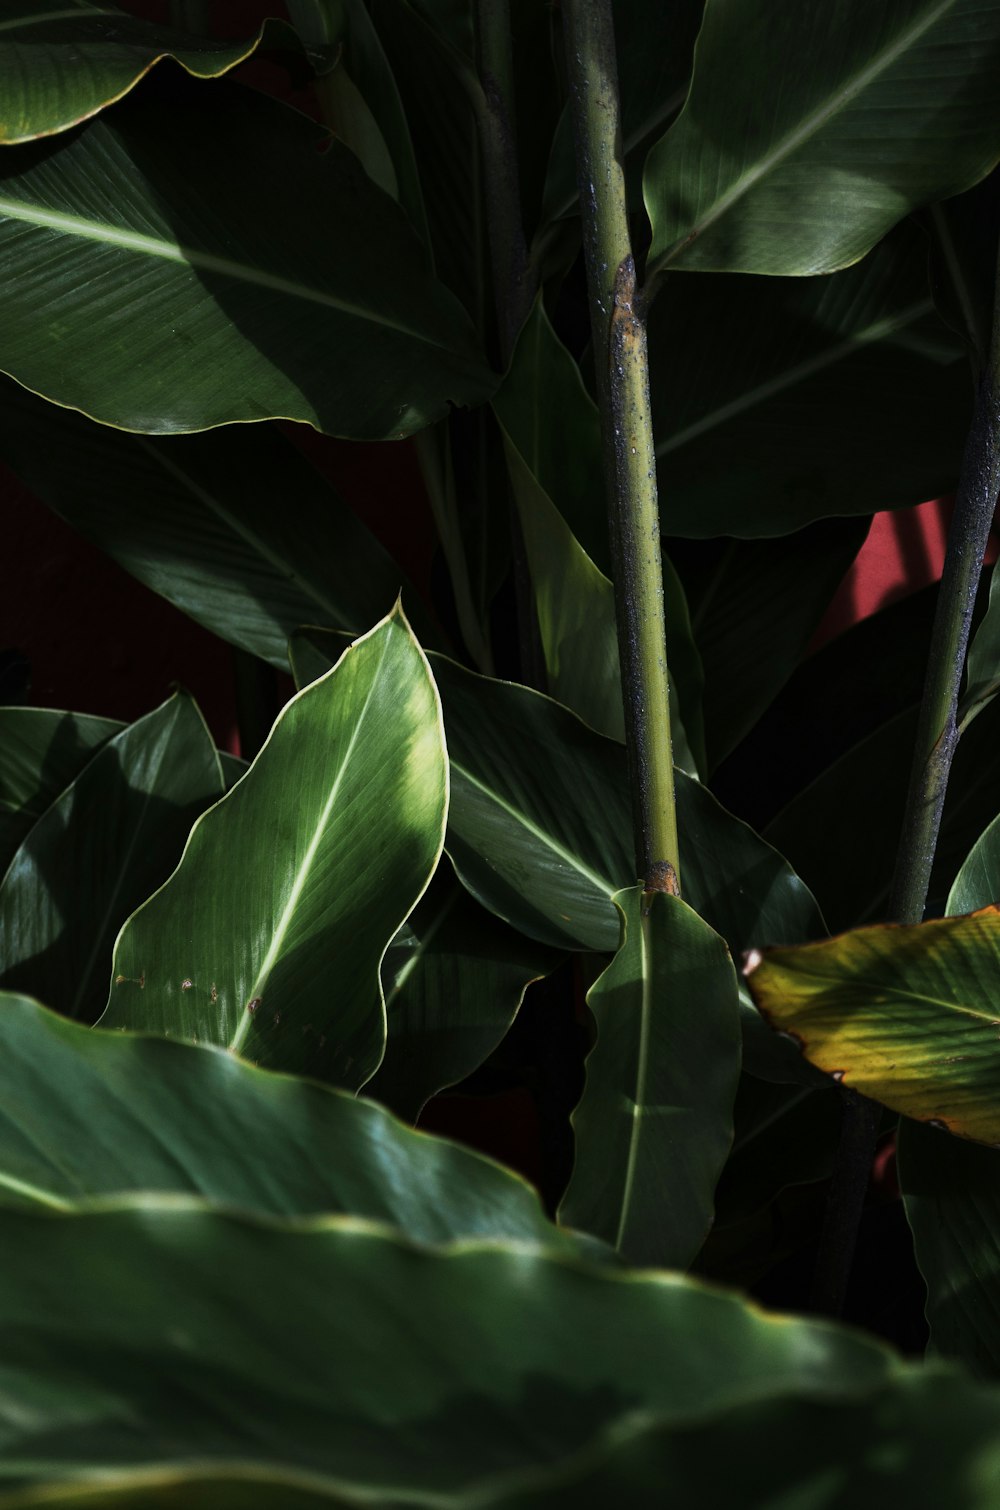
(253, 1004)
(186, 985)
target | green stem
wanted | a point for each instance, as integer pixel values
(619, 334)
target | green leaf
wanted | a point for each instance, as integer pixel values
(982, 669)
(41, 751)
(783, 1135)
(87, 1115)
(454, 978)
(61, 63)
(130, 245)
(106, 842)
(268, 937)
(552, 440)
(338, 1349)
(905, 1015)
(194, 518)
(655, 1124)
(754, 607)
(755, 382)
(895, 110)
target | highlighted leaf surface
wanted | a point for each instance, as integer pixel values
(908, 1016)
(267, 939)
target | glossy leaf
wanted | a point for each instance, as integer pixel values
(149, 221)
(87, 1115)
(755, 382)
(41, 751)
(454, 978)
(895, 110)
(550, 1353)
(61, 63)
(905, 1015)
(655, 1123)
(268, 937)
(106, 842)
(207, 535)
(982, 669)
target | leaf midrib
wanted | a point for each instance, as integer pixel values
(803, 132)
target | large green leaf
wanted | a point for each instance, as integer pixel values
(905, 1015)
(195, 518)
(107, 841)
(87, 1115)
(211, 222)
(894, 110)
(755, 384)
(982, 669)
(61, 63)
(268, 937)
(655, 1123)
(454, 978)
(163, 1334)
(41, 751)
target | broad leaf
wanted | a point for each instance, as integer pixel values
(894, 111)
(107, 841)
(655, 1123)
(982, 669)
(755, 383)
(783, 1135)
(61, 63)
(454, 978)
(433, 1372)
(41, 751)
(149, 222)
(268, 937)
(324, 1150)
(905, 1015)
(195, 518)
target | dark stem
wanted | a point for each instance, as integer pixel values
(619, 337)
(936, 742)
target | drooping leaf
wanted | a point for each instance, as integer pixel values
(755, 383)
(196, 518)
(655, 1123)
(61, 63)
(106, 842)
(905, 1015)
(148, 1307)
(88, 1115)
(268, 937)
(454, 978)
(41, 751)
(894, 111)
(132, 243)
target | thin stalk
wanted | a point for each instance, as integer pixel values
(619, 336)
(936, 742)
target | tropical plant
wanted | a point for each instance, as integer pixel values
(720, 268)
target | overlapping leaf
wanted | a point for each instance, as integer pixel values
(268, 937)
(907, 1016)
(60, 64)
(235, 527)
(655, 1123)
(454, 978)
(106, 842)
(87, 1115)
(185, 261)
(773, 167)
(41, 751)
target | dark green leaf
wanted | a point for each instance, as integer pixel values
(756, 382)
(194, 518)
(61, 63)
(210, 222)
(893, 111)
(106, 842)
(454, 978)
(268, 937)
(41, 751)
(655, 1123)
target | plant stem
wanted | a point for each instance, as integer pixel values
(937, 739)
(619, 335)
